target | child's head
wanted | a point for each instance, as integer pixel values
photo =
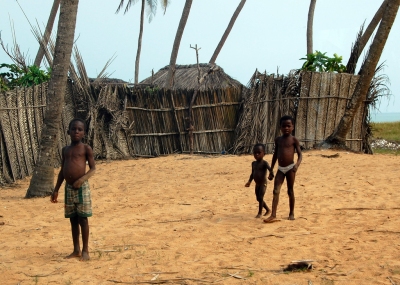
(259, 151)
(76, 129)
(287, 125)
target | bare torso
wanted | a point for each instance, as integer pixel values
(259, 169)
(286, 146)
(74, 167)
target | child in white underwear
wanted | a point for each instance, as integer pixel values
(285, 147)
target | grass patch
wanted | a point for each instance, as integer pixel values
(379, 150)
(388, 131)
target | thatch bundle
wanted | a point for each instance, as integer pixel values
(186, 78)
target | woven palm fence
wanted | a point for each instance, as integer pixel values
(21, 120)
(146, 121)
(316, 100)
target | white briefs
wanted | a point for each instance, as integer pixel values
(285, 169)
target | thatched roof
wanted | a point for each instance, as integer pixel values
(186, 77)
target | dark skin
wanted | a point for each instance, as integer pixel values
(285, 148)
(258, 173)
(73, 170)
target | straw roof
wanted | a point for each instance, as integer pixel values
(186, 77)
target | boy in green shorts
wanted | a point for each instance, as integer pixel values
(78, 204)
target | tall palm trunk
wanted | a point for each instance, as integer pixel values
(47, 32)
(139, 43)
(42, 182)
(310, 22)
(227, 31)
(362, 42)
(174, 54)
(366, 73)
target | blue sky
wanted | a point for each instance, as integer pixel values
(267, 35)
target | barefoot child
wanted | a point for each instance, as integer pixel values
(285, 147)
(77, 193)
(258, 172)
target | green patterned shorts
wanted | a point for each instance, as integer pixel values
(78, 201)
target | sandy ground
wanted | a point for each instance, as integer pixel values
(189, 220)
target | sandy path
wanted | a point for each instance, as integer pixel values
(190, 220)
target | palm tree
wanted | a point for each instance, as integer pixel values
(361, 42)
(227, 31)
(47, 32)
(174, 54)
(42, 182)
(310, 26)
(152, 9)
(367, 71)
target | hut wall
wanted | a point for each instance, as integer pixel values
(158, 121)
(316, 100)
(21, 120)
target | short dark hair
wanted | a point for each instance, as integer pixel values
(77, 120)
(285, 118)
(259, 145)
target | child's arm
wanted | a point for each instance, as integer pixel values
(274, 158)
(92, 168)
(299, 154)
(60, 179)
(250, 178)
(271, 172)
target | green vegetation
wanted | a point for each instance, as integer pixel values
(389, 132)
(16, 76)
(318, 61)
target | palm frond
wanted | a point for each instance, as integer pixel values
(151, 9)
(355, 51)
(165, 4)
(128, 5)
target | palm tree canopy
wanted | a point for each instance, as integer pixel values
(151, 7)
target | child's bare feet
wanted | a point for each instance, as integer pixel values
(270, 219)
(291, 217)
(85, 256)
(74, 254)
(258, 216)
(267, 212)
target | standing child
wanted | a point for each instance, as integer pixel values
(258, 172)
(78, 204)
(285, 147)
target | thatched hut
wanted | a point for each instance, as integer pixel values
(160, 116)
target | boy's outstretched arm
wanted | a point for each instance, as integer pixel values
(299, 154)
(92, 168)
(271, 171)
(60, 179)
(250, 178)
(274, 158)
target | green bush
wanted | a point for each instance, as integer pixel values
(318, 61)
(18, 77)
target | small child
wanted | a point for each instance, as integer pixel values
(285, 147)
(258, 172)
(78, 204)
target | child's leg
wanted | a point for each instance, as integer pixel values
(84, 223)
(279, 178)
(290, 177)
(75, 237)
(260, 192)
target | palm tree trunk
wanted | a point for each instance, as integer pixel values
(42, 182)
(174, 54)
(362, 42)
(310, 26)
(366, 74)
(47, 32)
(227, 31)
(139, 43)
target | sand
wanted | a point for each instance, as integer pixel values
(189, 220)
